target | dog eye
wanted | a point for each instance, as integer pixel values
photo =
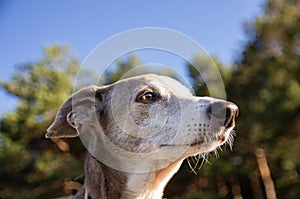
(146, 97)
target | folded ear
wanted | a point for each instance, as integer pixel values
(72, 113)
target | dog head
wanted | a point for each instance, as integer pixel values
(149, 115)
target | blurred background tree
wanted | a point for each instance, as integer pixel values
(31, 166)
(264, 81)
(123, 66)
(266, 84)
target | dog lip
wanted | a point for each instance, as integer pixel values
(166, 145)
(194, 143)
(222, 139)
(197, 142)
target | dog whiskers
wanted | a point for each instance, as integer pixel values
(217, 153)
(203, 156)
(190, 165)
(230, 139)
(195, 160)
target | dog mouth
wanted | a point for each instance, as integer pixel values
(197, 142)
(221, 130)
(221, 136)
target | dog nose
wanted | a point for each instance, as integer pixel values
(225, 112)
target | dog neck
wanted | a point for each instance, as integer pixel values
(102, 181)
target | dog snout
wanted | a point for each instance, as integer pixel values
(225, 112)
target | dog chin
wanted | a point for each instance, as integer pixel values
(208, 145)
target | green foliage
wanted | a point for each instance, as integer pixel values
(206, 74)
(265, 83)
(122, 67)
(31, 164)
(266, 86)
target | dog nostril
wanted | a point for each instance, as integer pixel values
(233, 109)
(232, 112)
(228, 115)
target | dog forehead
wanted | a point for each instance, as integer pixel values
(178, 88)
(163, 83)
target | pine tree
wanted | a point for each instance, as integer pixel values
(32, 166)
(266, 85)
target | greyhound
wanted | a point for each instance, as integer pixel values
(138, 131)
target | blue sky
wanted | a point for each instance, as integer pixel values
(27, 26)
